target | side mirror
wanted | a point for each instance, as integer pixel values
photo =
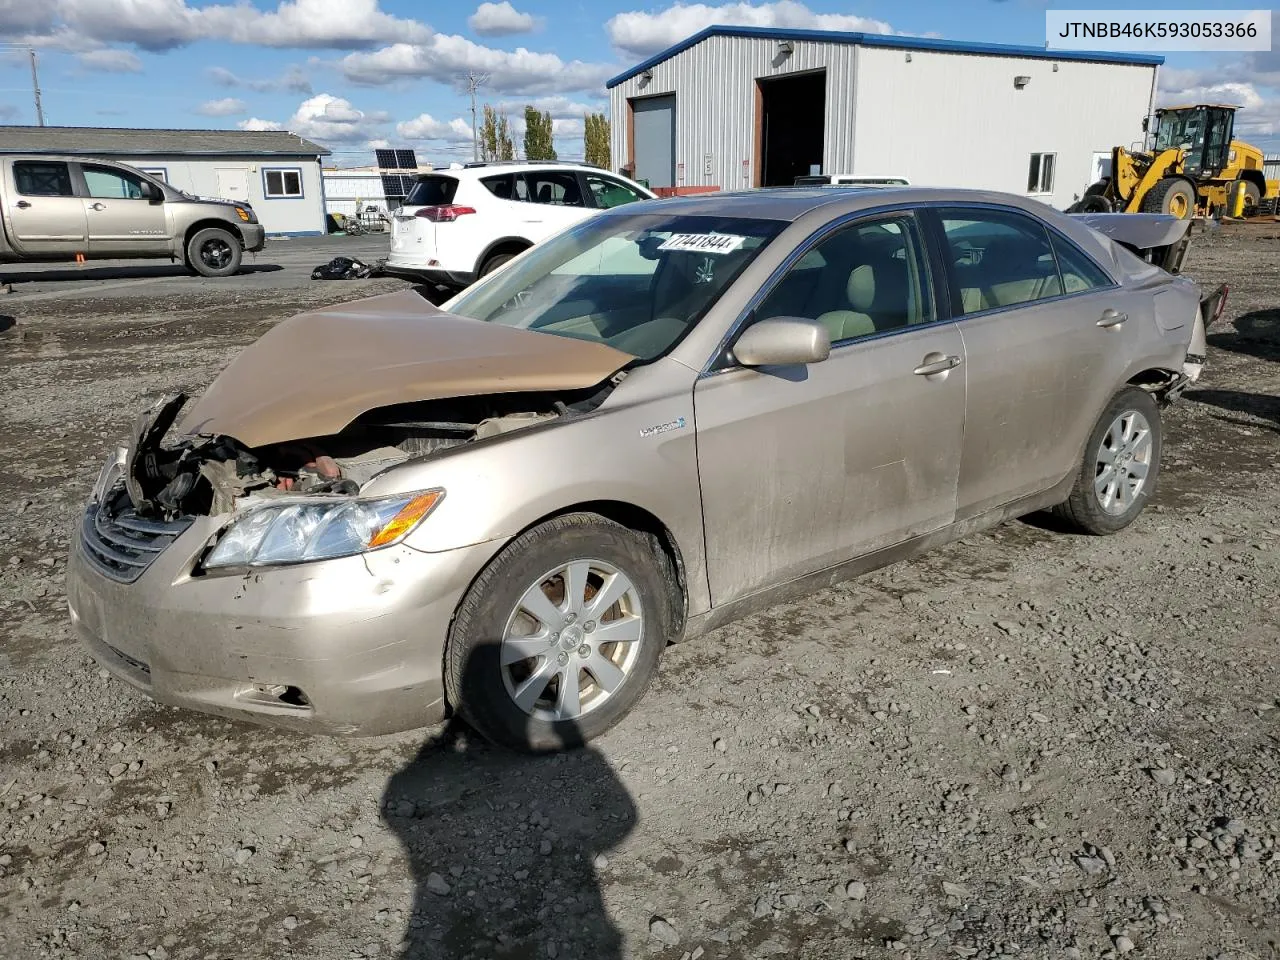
(151, 193)
(783, 341)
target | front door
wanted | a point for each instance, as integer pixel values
(233, 183)
(46, 218)
(1042, 360)
(122, 222)
(802, 468)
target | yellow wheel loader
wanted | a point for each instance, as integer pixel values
(1194, 168)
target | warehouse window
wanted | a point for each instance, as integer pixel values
(1040, 177)
(282, 183)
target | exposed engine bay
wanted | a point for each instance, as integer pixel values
(208, 474)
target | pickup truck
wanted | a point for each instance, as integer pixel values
(71, 208)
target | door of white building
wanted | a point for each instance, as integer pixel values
(233, 183)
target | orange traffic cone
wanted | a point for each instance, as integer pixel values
(80, 258)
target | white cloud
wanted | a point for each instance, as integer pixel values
(642, 32)
(293, 80)
(557, 106)
(427, 127)
(226, 107)
(253, 123)
(331, 119)
(445, 57)
(109, 60)
(1259, 115)
(165, 24)
(381, 143)
(499, 19)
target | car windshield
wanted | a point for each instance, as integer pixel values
(636, 282)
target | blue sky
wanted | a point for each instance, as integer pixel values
(353, 74)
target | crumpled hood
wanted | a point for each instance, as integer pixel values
(314, 373)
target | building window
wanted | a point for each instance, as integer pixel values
(282, 183)
(1040, 177)
(160, 173)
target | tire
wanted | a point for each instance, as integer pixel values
(1094, 204)
(1088, 509)
(1252, 198)
(494, 262)
(484, 690)
(1173, 196)
(214, 252)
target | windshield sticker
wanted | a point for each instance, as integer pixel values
(704, 242)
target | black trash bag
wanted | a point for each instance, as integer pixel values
(342, 268)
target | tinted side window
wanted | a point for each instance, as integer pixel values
(555, 187)
(500, 187)
(40, 179)
(1000, 259)
(864, 279)
(608, 192)
(107, 183)
(1079, 273)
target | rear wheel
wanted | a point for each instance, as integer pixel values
(1173, 196)
(1252, 197)
(214, 252)
(495, 260)
(1120, 467)
(558, 638)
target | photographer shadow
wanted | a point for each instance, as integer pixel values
(505, 849)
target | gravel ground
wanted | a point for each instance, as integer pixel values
(1024, 744)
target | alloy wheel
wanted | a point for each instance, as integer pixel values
(572, 640)
(1122, 463)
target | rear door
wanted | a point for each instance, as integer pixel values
(45, 217)
(1039, 365)
(550, 200)
(121, 221)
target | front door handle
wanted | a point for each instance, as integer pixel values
(22, 204)
(1112, 318)
(936, 363)
(97, 206)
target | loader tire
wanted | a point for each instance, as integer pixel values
(1172, 196)
(1252, 198)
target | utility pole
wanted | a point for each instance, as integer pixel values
(474, 82)
(35, 87)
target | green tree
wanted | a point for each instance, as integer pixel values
(595, 128)
(538, 143)
(495, 137)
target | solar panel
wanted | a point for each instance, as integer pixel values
(386, 159)
(406, 160)
(396, 186)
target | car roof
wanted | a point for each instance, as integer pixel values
(792, 203)
(499, 167)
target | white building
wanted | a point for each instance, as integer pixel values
(275, 172)
(346, 188)
(735, 107)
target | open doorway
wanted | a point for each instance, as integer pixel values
(789, 127)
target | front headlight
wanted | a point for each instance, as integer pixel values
(294, 532)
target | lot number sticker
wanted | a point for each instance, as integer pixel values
(704, 242)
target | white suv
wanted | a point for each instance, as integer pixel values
(464, 222)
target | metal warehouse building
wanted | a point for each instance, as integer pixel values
(735, 107)
(275, 172)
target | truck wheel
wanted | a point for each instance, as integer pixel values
(1173, 196)
(214, 252)
(1252, 197)
(558, 638)
(1121, 463)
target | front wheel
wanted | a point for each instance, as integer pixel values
(214, 252)
(558, 638)
(1121, 464)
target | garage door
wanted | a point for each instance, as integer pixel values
(655, 140)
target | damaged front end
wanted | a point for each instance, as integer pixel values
(299, 500)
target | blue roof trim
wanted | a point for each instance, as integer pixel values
(884, 40)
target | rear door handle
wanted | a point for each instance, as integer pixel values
(97, 206)
(936, 363)
(22, 204)
(1112, 318)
